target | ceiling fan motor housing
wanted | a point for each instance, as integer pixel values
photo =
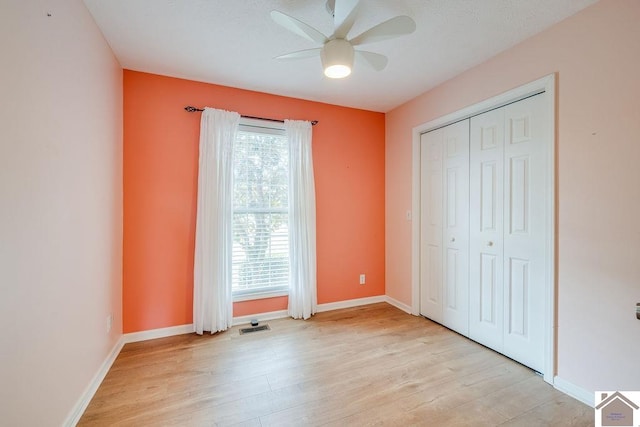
(337, 58)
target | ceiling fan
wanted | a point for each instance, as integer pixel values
(337, 52)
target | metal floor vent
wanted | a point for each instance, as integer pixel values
(254, 329)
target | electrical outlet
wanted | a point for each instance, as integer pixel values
(109, 322)
(362, 279)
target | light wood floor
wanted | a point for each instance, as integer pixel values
(372, 365)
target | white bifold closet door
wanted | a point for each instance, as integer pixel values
(508, 229)
(484, 195)
(445, 226)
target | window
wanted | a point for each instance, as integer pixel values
(260, 255)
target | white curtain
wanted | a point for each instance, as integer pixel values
(302, 221)
(212, 297)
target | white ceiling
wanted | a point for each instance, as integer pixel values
(233, 42)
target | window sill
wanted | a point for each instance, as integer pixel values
(260, 295)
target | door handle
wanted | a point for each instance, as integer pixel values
(489, 243)
(453, 239)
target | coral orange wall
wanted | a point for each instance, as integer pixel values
(160, 183)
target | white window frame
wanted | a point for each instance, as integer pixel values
(276, 128)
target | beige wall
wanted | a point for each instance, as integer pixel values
(596, 55)
(60, 207)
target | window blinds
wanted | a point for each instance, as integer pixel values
(260, 256)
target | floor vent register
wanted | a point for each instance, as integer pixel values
(254, 329)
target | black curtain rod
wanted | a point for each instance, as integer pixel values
(191, 109)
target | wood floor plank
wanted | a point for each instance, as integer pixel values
(370, 365)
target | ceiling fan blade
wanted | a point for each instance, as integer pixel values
(344, 15)
(298, 27)
(301, 54)
(375, 60)
(394, 27)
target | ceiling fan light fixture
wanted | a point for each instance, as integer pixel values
(337, 58)
(337, 71)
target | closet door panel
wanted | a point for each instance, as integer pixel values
(431, 207)
(526, 195)
(486, 304)
(456, 227)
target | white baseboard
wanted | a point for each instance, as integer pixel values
(158, 333)
(241, 320)
(76, 413)
(270, 315)
(349, 303)
(585, 396)
(188, 329)
(402, 306)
